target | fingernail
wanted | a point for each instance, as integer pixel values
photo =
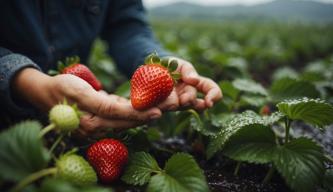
(155, 116)
(172, 107)
(192, 75)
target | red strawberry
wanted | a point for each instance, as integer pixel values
(108, 157)
(72, 66)
(265, 110)
(153, 82)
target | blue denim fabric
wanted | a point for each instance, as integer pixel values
(38, 33)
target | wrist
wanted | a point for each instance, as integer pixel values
(29, 84)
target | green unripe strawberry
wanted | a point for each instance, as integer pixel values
(66, 118)
(76, 169)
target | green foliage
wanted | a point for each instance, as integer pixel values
(300, 162)
(244, 120)
(253, 143)
(249, 86)
(287, 88)
(21, 151)
(203, 123)
(181, 173)
(140, 168)
(123, 90)
(58, 185)
(313, 111)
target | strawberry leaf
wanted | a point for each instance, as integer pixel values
(313, 111)
(21, 151)
(173, 65)
(140, 167)
(287, 88)
(229, 90)
(253, 143)
(300, 162)
(238, 122)
(181, 173)
(165, 62)
(202, 124)
(249, 86)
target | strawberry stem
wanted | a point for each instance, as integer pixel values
(33, 177)
(46, 130)
(55, 144)
(237, 168)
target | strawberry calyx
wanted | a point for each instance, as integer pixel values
(169, 63)
(61, 65)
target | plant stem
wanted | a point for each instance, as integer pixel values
(237, 168)
(269, 175)
(287, 124)
(33, 177)
(56, 143)
(46, 130)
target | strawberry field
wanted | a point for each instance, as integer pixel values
(272, 131)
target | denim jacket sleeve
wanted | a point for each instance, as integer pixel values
(10, 65)
(129, 35)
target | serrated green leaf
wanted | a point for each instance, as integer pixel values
(253, 143)
(229, 90)
(284, 72)
(249, 86)
(292, 89)
(21, 151)
(300, 162)
(202, 124)
(313, 111)
(273, 118)
(253, 100)
(181, 174)
(164, 183)
(140, 167)
(235, 124)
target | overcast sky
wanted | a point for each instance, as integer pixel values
(153, 3)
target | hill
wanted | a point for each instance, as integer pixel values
(284, 10)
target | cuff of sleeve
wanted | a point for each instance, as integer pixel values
(10, 65)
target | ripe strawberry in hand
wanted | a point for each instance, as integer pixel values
(72, 66)
(153, 82)
(108, 156)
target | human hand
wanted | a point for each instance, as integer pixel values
(185, 91)
(103, 111)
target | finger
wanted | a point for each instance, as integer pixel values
(103, 92)
(188, 74)
(200, 105)
(119, 99)
(187, 96)
(103, 106)
(171, 103)
(211, 90)
(93, 124)
(213, 96)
